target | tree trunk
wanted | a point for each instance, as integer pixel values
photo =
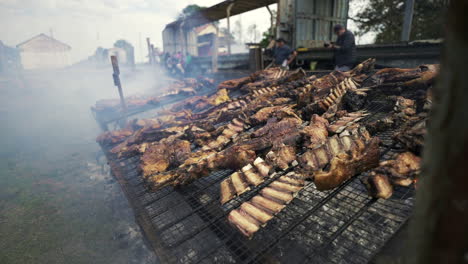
(439, 230)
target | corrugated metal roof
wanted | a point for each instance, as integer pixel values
(218, 12)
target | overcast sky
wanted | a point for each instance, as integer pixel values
(87, 24)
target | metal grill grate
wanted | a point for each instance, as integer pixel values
(344, 225)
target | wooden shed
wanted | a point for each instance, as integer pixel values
(44, 52)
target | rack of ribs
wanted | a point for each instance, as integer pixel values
(239, 182)
(255, 213)
(346, 121)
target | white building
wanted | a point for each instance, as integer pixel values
(44, 52)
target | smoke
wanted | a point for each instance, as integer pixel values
(49, 174)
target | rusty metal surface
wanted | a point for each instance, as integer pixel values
(315, 20)
(218, 12)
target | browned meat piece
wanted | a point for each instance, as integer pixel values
(363, 67)
(110, 138)
(261, 208)
(219, 97)
(243, 222)
(317, 158)
(422, 76)
(158, 157)
(279, 195)
(345, 121)
(316, 133)
(239, 182)
(160, 180)
(281, 156)
(344, 166)
(400, 171)
(262, 167)
(378, 186)
(234, 84)
(412, 135)
(335, 94)
(235, 157)
(258, 214)
(273, 111)
(275, 128)
(227, 191)
(252, 177)
(405, 164)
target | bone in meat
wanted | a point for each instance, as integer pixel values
(344, 166)
(270, 201)
(378, 186)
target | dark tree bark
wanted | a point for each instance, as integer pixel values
(439, 230)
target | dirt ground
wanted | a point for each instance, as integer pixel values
(58, 203)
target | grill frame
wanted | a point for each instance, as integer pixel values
(343, 225)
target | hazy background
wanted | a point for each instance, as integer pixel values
(87, 24)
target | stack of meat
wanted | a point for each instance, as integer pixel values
(286, 129)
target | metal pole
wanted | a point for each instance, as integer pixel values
(228, 11)
(150, 57)
(115, 75)
(408, 20)
(214, 55)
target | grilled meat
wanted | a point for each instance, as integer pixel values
(110, 138)
(316, 133)
(378, 186)
(252, 215)
(397, 172)
(160, 156)
(344, 166)
(238, 182)
(281, 156)
(345, 121)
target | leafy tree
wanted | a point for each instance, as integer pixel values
(385, 17)
(189, 10)
(129, 50)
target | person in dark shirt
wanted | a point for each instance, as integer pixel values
(344, 49)
(283, 54)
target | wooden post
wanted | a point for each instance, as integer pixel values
(272, 21)
(115, 75)
(150, 53)
(439, 230)
(214, 56)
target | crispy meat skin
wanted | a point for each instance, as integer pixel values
(110, 138)
(262, 207)
(378, 186)
(344, 166)
(281, 156)
(316, 133)
(397, 172)
(159, 157)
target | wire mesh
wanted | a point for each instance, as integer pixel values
(344, 225)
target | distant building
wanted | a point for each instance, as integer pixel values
(119, 52)
(205, 40)
(44, 52)
(9, 59)
(198, 41)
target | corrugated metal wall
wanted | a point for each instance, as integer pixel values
(315, 20)
(174, 40)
